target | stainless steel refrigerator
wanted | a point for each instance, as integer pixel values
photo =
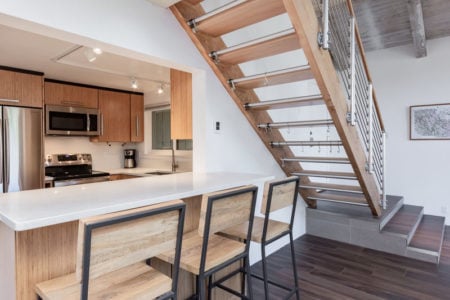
(21, 152)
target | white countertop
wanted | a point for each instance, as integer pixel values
(38, 208)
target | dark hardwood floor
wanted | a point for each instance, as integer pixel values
(334, 270)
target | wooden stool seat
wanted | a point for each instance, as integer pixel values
(112, 251)
(274, 229)
(220, 250)
(278, 194)
(204, 253)
(133, 282)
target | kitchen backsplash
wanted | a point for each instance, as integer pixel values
(110, 156)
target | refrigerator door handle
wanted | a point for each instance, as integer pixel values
(2, 132)
(6, 149)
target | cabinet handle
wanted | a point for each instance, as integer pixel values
(10, 100)
(71, 102)
(101, 124)
(137, 126)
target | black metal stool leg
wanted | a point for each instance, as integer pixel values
(265, 278)
(294, 266)
(247, 273)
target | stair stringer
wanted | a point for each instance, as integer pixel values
(304, 19)
(205, 44)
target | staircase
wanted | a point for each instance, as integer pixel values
(402, 229)
(312, 106)
(327, 152)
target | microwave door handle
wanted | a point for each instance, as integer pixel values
(88, 122)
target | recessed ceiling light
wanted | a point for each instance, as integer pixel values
(97, 51)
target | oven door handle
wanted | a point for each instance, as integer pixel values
(73, 181)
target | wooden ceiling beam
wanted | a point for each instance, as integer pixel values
(417, 27)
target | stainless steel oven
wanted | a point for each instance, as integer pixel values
(64, 120)
(71, 169)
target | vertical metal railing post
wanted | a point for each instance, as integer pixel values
(384, 170)
(370, 154)
(325, 38)
(352, 71)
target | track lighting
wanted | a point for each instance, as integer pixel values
(97, 51)
(160, 89)
(134, 83)
(92, 53)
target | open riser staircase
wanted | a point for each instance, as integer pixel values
(297, 71)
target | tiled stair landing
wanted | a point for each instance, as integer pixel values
(402, 229)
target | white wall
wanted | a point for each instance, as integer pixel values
(143, 31)
(417, 170)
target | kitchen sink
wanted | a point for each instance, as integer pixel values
(159, 173)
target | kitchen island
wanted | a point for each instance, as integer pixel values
(38, 228)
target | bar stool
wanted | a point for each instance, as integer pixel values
(278, 194)
(204, 253)
(111, 255)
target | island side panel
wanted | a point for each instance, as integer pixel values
(42, 254)
(7, 259)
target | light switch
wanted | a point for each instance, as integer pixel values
(217, 127)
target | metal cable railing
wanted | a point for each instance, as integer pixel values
(340, 36)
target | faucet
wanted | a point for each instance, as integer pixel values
(174, 163)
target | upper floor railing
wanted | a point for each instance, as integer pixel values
(341, 37)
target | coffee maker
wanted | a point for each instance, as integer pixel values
(130, 158)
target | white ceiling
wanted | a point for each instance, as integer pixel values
(164, 3)
(25, 50)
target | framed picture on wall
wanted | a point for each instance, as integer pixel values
(429, 122)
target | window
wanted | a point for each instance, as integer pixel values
(161, 132)
(161, 129)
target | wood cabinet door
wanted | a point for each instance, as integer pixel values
(70, 95)
(180, 105)
(28, 88)
(20, 89)
(137, 118)
(114, 116)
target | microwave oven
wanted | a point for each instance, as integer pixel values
(65, 120)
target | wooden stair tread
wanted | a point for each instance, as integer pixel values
(339, 197)
(220, 249)
(293, 76)
(263, 49)
(132, 282)
(322, 159)
(333, 187)
(313, 173)
(405, 221)
(247, 13)
(430, 234)
(286, 103)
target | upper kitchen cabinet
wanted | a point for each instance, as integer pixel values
(137, 117)
(181, 105)
(69, 94)
(20, 87)
(115, 116)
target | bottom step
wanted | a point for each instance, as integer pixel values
(405, 222)
(340, 197)
(427, 241)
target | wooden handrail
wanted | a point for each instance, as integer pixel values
(366, 67)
